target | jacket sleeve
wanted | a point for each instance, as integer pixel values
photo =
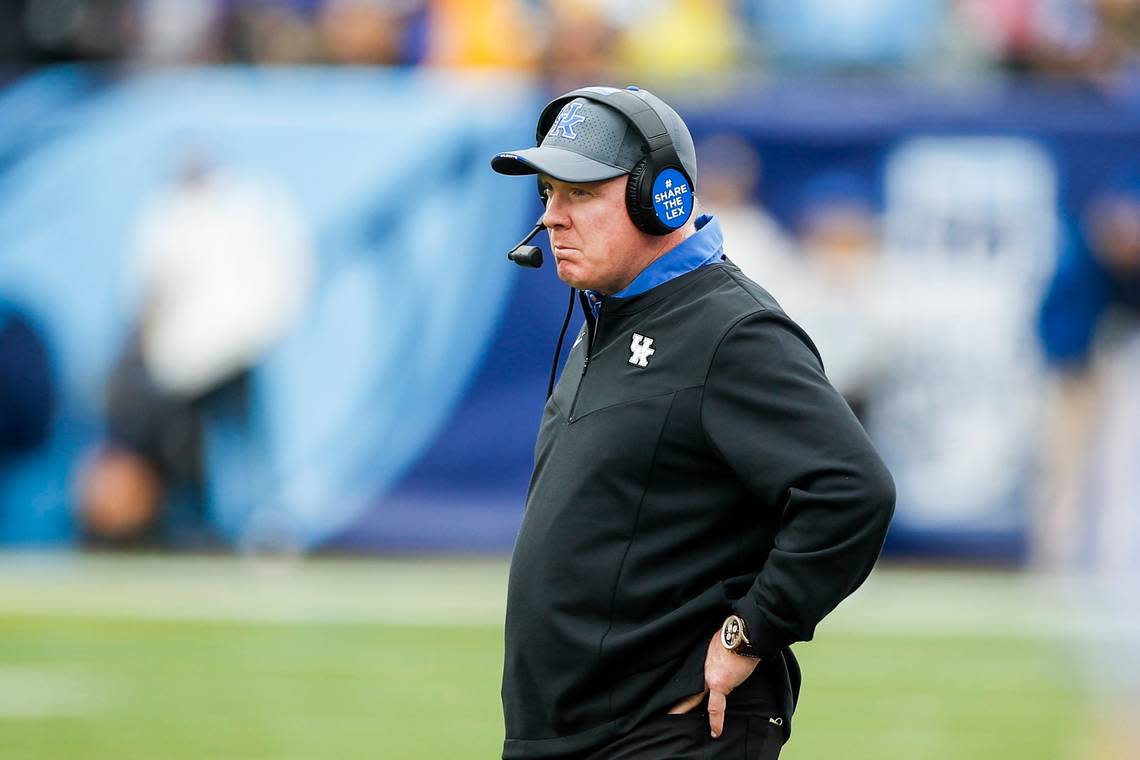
(795, 444)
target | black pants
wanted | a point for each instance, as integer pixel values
(687, 737)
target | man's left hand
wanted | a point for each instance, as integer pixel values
(724, 671)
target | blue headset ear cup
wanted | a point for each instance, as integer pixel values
(636, 193)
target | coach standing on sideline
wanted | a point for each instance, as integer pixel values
(701, 495)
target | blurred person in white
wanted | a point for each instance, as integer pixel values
(837, 294)
(1090, 518)
(175, 31)
(825, 284)
(731, 176)
(827, 278)
(222, 268)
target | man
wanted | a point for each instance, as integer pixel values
(701, 496)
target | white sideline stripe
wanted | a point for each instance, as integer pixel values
(908, 602)
(241, 590)
(894, 601)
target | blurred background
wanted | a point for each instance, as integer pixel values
(269, 388)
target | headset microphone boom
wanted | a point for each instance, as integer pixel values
(528, 255)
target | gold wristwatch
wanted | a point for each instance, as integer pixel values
(734, 636)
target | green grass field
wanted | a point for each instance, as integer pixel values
(219, 658)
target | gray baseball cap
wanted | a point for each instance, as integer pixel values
(590, 141)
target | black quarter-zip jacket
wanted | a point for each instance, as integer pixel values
(711, 470)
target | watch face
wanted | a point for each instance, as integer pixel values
(731, 633)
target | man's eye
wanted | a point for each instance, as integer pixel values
(578, 192)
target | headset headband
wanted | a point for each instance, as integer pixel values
(633, 107)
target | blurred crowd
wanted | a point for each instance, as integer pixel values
(571, 41)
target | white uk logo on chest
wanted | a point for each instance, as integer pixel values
(641, 348)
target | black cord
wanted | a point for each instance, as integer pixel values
(558, 348)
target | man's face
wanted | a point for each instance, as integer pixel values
(595, 244)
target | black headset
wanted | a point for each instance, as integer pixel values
(659, 192)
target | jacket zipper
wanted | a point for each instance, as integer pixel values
(590, 335)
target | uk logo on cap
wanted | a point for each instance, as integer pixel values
(568, 117)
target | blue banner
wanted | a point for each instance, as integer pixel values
(399, 410)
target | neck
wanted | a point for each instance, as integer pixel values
(657, 246)
(669, 242)
(653, 247)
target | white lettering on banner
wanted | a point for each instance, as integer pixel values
(672, 193)
(969, 220)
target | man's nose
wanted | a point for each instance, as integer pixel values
(555, 214)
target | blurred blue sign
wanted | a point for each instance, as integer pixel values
(400, 410)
